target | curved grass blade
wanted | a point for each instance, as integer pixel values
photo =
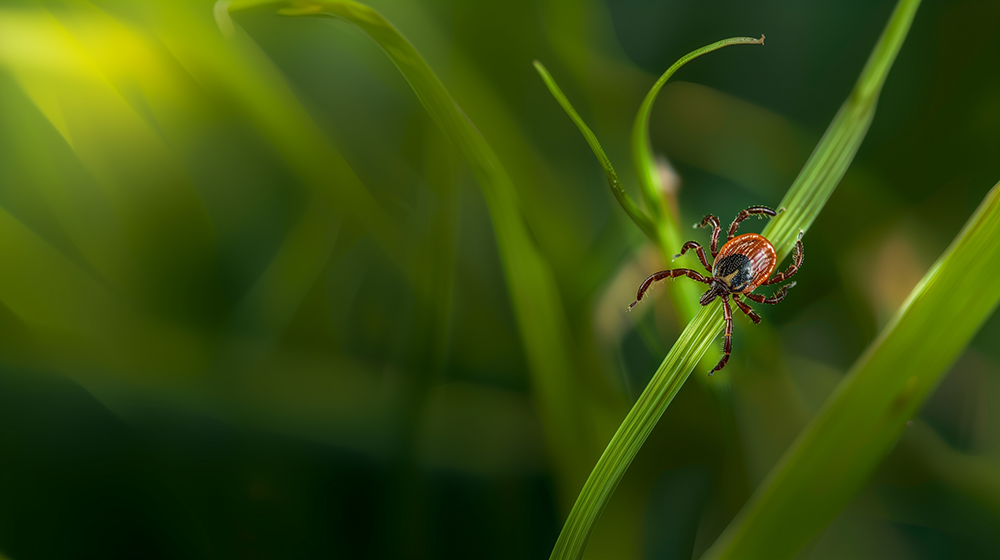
(859, 424)
(803, 202)
(640, 218)
(531, 283)
(684, 296)
(642, 150)
(659, 225)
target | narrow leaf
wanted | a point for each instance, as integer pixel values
(642, 150)
(835, 151)
(659, 225)
(640, 218)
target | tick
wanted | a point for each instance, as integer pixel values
(744, 263)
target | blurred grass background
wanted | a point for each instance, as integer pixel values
(253, 304)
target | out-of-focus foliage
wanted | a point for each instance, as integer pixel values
(253, 302)
(533, 292)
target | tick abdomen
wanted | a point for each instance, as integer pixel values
(744, 262)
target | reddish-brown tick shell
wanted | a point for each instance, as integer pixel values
(756, 248)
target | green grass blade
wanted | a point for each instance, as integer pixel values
(642, 150)
(833, 155)
(803, 202)
(640, 218)
(633, 431)
(664, 235)
(531, 283)
(859, 424)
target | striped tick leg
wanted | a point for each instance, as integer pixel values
(716, 230)
(778, 296)
(746, 309)
(752, 211)
(792, 268)
(698, 249)
(663, 275)
(727, 345)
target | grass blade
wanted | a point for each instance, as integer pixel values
(858, 425)
(640, 218)
(803, 202)
(642, 150)
(835, 151)
(531, 283)
(692, 344)
(659, 225)
(665, 236)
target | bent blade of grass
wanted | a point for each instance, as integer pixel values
(859, 424)
(530, 281)
(642, 150)
(803, 202)
(683, 295)
(661, 228)
(640, 218)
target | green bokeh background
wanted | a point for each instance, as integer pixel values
(206, 351)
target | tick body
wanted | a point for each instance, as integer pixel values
(744, 263)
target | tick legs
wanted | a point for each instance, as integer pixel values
(663, 275)
(753, 210)
(778, 296)
(727, 345)
(716, 230)
(746, 309)
(792, 268)
(698, 249)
